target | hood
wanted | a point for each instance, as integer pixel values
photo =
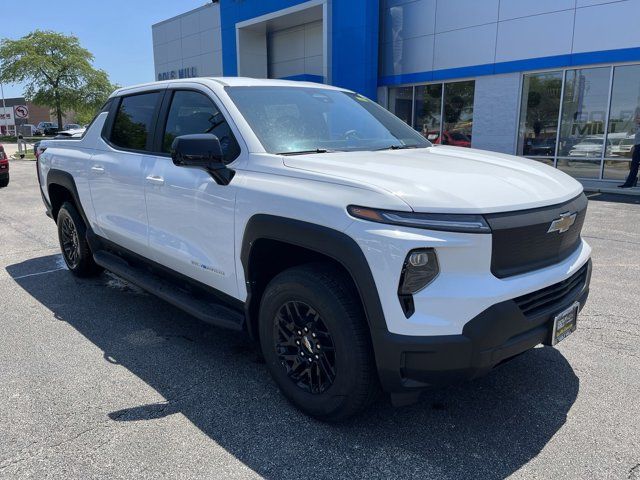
(448, 179)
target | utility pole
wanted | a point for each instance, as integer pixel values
(4, 110)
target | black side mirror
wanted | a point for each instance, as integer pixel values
(202, 150)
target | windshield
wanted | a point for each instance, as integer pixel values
(290, 120)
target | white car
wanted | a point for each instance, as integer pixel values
(356, 254)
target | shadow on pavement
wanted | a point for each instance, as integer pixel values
(486, 429)
(614, 198)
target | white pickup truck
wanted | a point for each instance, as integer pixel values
(358, 255)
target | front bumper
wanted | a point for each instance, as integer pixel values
(411, 363)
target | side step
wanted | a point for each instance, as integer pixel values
(208, 311)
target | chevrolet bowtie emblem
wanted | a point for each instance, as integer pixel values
(564, 223)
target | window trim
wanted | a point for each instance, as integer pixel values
(163, 118)
(107, 129)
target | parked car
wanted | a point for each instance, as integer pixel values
(539, 147)
(47, 128)
(456, 139)
(353, 252)
(71, 126)
(4, 168)
(590, 147)
(624, 147)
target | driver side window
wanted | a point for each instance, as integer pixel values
(193, 112)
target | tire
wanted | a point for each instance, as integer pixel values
(5, 182)
(323, 299)
(73, 243)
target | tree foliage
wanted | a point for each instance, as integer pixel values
(57, 72)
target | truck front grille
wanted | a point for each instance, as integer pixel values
(551, 297)
(522, 243)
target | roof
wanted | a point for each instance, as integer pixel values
(232, 82)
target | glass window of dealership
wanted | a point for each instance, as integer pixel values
(580, 120)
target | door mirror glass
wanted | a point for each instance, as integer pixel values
(197, 150)
(202, 150)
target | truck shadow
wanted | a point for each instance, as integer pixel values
(485, 429)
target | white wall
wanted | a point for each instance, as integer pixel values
(189, 40)
(424, 35)
(296, 51)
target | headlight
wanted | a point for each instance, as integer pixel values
(420, 268)
(429, 221)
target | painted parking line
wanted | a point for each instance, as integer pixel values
(39, 273)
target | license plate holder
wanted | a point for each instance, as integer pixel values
(565, 323)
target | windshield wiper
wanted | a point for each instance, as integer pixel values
(396, 147)
(305, 152)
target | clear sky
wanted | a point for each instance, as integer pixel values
(117, 32)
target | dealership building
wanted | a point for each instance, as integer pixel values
(554, 80)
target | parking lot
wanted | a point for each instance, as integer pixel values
(99, 380)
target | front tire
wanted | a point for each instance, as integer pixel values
(316, 342)
(73, 242)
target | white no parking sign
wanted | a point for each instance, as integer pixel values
(21, 111)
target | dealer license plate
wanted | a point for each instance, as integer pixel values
(565, 323)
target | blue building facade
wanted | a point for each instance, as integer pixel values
(553, 80)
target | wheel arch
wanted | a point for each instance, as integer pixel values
(275, 236)
(61, 188)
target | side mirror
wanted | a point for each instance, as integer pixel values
(202, 150)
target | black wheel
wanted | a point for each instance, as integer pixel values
(73, 243)
(5, 182)
(316, 342)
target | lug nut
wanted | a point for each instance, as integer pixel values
(313, 335)
(318, 346)
(302, 353)
(317, 357)
(306, 329)
(297, 342)
(299, 332)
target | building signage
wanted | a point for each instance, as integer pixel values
(187, 72)
(6, 116)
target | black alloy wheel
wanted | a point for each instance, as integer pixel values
(304, 347)
(69, 242)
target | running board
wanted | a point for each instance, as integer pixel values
(211, 312)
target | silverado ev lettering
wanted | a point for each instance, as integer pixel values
(355, 253)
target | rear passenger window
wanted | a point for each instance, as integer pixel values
(193, 112)
(134, 120)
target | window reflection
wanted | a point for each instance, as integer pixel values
(539, 114)
(584, 111)
(625, 100)
(458, 114)
(400, 100)
(428, 106)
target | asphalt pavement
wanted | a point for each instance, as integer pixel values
(99, 380)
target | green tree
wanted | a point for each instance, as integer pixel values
(57, 72)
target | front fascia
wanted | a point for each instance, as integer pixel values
(465, 286)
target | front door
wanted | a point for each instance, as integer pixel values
(116, 172)
(191, 217)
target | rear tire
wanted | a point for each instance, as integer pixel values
(5, 182)
(75, 249)
(328, 370)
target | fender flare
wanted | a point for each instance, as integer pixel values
(65, 179)
(323, 240)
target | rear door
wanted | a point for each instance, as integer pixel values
(191, 217)
(116, 171)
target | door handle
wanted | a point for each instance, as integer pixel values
(155, 180)
(97, 169)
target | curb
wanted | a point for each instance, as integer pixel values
(614, 191)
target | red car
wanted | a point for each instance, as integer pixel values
(4, 168)
(456, 139)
